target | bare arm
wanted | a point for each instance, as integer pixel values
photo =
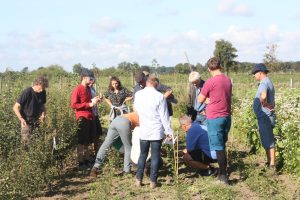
(128, 99)
(201, 98)
(168, 93)
(263, 100)
(16, 109)
(43, 114)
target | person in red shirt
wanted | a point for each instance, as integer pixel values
(217, 92)
(83, 103)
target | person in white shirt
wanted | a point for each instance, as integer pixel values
(151, 107)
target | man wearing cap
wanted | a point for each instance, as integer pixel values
(218, 89)
(83, 103)
(263, 106)
(30, 108)
(195, 109)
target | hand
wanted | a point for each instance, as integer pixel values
(42, 118)
(95, 100)
(207, 101)
(23, 123)
(169, 139)
(269, 106)
(168, 93)
(184, 150)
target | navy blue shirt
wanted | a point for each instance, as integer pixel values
(197, 139)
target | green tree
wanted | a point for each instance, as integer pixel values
(226, 53)
(135, 66)
(182, 68)
(77, 68)
(154, 63)
(270, 59)
(25, 70)
(125, 66)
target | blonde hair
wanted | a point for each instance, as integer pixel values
(194, 76)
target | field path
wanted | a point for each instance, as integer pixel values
(248, 181)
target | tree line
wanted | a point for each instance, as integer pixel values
(224, 50)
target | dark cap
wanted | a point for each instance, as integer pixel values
(259, 68)
(86, 72)
(139, 76)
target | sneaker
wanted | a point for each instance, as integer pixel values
(138, 183)
(223, 178)
(94, 172)
(153, 185)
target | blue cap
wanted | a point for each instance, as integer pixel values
(259, 68)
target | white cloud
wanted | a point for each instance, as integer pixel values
(230, 7)
(17, 50)
(107, 25)
(251, 42)
(243, 10)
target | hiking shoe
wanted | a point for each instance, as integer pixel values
(94, 172)
(223, 178)
(138, 183)
(153, 185)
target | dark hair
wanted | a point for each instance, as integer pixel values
(214, 63)
(114, 78)
(41, 80)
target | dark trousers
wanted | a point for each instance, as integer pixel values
(155, 158)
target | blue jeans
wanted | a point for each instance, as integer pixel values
(155, 158)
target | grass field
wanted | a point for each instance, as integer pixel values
(43, 174)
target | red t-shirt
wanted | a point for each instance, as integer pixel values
(81, 97)
(219, 90)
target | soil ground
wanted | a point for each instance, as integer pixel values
(249, 179)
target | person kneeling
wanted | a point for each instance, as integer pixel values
(197, 153)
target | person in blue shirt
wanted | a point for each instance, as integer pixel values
(263, 106)
(197, 153)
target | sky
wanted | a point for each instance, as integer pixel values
(37, 33)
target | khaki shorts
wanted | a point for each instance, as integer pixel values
(26, 134)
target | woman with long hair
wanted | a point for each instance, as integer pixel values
(116, 96)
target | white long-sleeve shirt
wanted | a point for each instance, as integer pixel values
(151, 107)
